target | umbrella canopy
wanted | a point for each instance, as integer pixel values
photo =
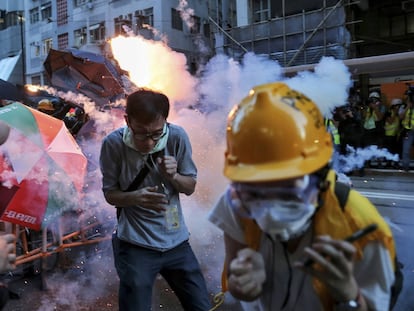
(42, 168)
(10, 91)
(84, 72)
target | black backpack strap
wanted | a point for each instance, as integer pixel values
(140, 177)
(342, 193)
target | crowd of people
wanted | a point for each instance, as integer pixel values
(376, 123)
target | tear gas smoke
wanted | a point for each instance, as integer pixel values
(356, 157)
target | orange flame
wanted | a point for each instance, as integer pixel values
(154, 65)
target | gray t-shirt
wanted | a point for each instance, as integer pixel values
(120, 165)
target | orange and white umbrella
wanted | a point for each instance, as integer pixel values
(42, 168)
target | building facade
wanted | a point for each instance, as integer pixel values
(299, 33)
(294, 33)
(88, 24)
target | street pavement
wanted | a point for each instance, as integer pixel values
(84, 278)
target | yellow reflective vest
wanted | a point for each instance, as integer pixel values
(408, 121)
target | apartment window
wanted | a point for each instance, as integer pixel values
(176, 21)
(97, 33)
(34, 15)
(63, 41)
(47, 45)
(62, 12)
(35, 49)
(145, 17)
(80, 37)
(261, 10)
(195, 24)
(46, 11)
(80, 2)
(120, 21)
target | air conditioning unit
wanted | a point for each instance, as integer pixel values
(407, 6)
(89, 5)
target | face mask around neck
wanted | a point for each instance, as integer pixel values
(129, 140)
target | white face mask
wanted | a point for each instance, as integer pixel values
(282, 210)
(282, 219)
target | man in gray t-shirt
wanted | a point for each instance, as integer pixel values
(152, 236)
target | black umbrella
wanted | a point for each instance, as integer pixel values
(84, 72)
(10, 91)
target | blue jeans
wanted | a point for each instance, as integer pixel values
(407, 142)
(138, 267)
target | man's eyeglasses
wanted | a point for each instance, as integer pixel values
(155, 136)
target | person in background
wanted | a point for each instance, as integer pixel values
(152, 236)
(283, 225)
(351, 133)
(407, 122)
(392, 129)
(373, 115)
(332, 127)
(372, 122)
(46, 106)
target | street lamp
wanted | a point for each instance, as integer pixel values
(23, 49)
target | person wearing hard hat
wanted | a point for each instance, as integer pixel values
(283, 222)
(372, 120)
(407, 121)
(46, 106)
(392, 129)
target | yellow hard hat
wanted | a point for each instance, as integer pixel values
(275, 133)
(45, 104)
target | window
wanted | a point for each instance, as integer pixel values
(80, 2)
(35, 49)
(195, 24)
(79, 37)
(62, 12)
(97, 33)
(34, 15)
(121, 21)
(46, 11)
(63, 41)
(176, 21)
(47, 45)
(260, 10)
(145, 17)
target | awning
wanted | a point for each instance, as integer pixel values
(7, 66)
(376, 66)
